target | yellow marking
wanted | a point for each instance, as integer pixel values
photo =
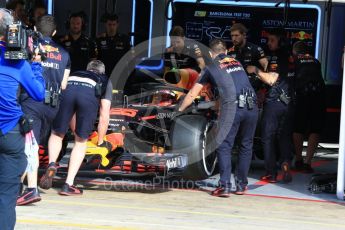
(67, 224)
(170, 211)
(93, 149)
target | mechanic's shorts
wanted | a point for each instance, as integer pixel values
(43, 116)
(80, 99)
(310, 113)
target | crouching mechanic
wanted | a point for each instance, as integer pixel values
(56, 69)
(82, 98)
(238, 114)
(13, 74)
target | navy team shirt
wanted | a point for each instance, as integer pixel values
(111, 49)
(228, 75)
(81, 51)
(57, 61)
(280, 62)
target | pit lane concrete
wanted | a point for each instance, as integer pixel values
(147, 208)
(154, 204)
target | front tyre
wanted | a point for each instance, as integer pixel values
(191, 134)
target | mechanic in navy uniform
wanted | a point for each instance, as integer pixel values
(86, 93)
(277, 118)
(18, 10)
(13, 75)
(183, 53)
(111, 45)
(247, 53)
(238, 114)
(38, 10)
(310, 104)
(80, 48)
(56, 69)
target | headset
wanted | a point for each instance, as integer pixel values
(80, 14)
(107, 14)
(283, 41)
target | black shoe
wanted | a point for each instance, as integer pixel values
(299, 165)
(269, 178)
(29, 196)
(221, 192)
(68, 190)
(241, 190)
(307, 169)
(46, 181)
(287, 177)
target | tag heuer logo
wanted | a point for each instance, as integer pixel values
(200, 13)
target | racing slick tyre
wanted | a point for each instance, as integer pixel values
(191, 134)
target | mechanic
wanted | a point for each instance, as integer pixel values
(17, 7)
(111, 45)
(183, 53)
(247, 53)
(38, 11)
(81, 97)
(238, 111)
(56, 69)
(277, 118)
(14, 74)
(310, 104)
(80, 48)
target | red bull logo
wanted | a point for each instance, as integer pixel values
(264, 34)
(228, 61)
(302, 35)
(57, 57)
(49, 48)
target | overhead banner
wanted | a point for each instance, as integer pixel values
(204, 22)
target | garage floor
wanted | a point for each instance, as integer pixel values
(157, 204)
(325, 162)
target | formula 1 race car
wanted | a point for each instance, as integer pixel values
(147, 138)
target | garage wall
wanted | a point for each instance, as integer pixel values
(2, 3)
